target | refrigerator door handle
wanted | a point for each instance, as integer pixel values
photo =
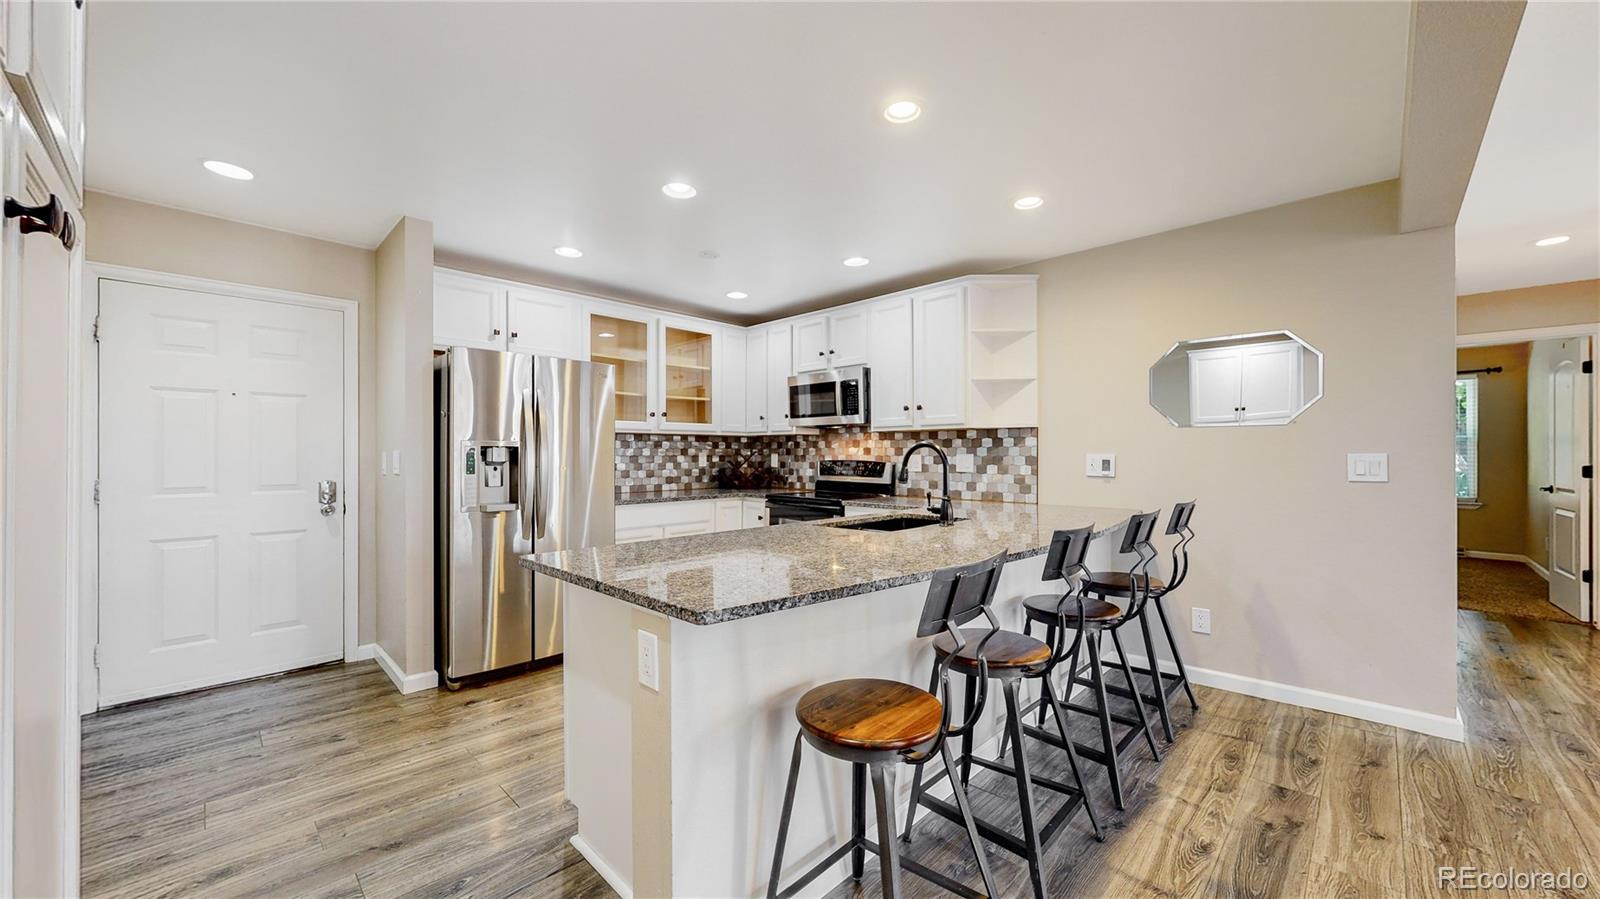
(541, 473)
(529, 464)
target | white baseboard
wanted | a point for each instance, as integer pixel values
(1538, 569)
(1305, 697)
(364, 651)
(405, 683)
(606, 872)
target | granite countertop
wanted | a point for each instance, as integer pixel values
(711, 578)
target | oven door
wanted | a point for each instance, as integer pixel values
(802, 508)
(814, 399)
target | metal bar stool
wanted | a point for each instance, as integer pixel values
(876, 725)
(1116, 584)
(1010, 657)
(1096, 617)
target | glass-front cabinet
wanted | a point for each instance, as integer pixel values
(687, 357)
(626, 343)
(666, 375)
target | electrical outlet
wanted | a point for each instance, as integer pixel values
(649, 661)
(1200, 620)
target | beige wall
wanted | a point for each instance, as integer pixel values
(405, 416)
(1500, 524)
(159, 238)
(1549, 305)
(1312, 582)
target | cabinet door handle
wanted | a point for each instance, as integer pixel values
(52, 217)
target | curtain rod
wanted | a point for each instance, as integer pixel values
(1481, 371)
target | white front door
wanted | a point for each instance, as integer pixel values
(1568, 489)
(219, 418)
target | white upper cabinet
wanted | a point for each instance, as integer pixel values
(831, 340)
(43, 47)
(755, 379)
(731, 384)
(892, 371)
(939, 329)
(1249, 384)
(780, 365)
(468, 311)
(848, 330)
(811, 343)
(543, 322)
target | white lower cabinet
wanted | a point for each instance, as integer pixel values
(656, 521)
(755, 513)
(730, 514)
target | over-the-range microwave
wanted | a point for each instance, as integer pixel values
(840, 396)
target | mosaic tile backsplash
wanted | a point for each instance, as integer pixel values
(1000, 464)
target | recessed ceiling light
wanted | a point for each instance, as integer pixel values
(228, 170)
(569, 252)
(677, 190)
(605, 334)
(1552, 241)
(1028, 202)
(857, 261)
(738, 295)
(902, 111)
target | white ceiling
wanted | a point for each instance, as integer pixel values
(1538, 171)
(519, 127)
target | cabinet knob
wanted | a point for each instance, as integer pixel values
(819, 352)
(919, 407)
(496, 332)
(830, 352)
(761, 418)
(652, 415)
(905, 408)
(51, 218)
(513, 335)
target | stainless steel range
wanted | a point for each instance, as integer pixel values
(838, 482)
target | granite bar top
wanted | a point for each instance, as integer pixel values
(712, 578)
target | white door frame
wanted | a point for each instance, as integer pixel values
(89, 529)
(1556, 332)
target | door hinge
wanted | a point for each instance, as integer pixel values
(1588, 366)
(97, 491)
(1588, 471)
(96, 327)
(1588, 575)
(97, 655)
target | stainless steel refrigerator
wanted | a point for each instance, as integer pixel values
(524, 462)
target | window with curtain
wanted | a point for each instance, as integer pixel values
(1467, 439)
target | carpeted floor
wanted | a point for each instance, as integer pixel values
(1505, 588)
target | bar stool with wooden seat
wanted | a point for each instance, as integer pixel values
(1096, 618)
(876, 725)
(1011, 658)
(1118, 584)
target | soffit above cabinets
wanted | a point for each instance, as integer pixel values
(517, 128)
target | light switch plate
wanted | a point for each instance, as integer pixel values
(649, 661)
(383, 462)
(395, 467)
(1100, 465)
(1367, 468)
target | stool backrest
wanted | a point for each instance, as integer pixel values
(1136, 539)
(1067, 551)
(1178, 526)
(958, 595)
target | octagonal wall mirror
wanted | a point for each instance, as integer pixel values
(1242, 380)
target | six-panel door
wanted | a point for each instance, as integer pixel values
(220, 419)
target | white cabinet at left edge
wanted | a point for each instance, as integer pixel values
(42, 52)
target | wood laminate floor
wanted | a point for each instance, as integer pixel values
(328, 783)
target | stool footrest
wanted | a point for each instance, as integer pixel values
(906, 864)
(1005, 839)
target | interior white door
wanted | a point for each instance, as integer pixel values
(219, 416)
(1269, 382)
(1569, 490)
(1214, 386)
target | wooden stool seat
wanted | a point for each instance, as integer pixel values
(1117, 583)
(1003, 649)
(1042, 607)
(871, 714)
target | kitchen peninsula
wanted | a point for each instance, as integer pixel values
(685, 656)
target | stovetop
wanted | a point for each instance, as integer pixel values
(841, 480)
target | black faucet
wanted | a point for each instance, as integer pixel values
(946, 513)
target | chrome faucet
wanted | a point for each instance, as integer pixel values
(946, 513)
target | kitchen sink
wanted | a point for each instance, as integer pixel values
(898, 523)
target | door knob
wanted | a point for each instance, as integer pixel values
(327, 495)
(1548, 488)
(51, 217)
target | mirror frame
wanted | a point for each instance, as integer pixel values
(1150, 371)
